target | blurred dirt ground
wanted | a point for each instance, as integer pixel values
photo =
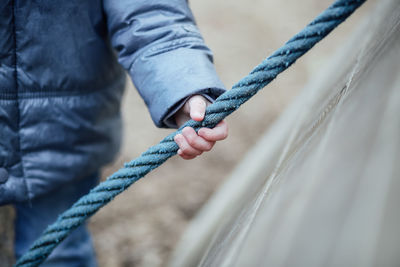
(141, 227)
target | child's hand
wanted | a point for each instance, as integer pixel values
(190, 143)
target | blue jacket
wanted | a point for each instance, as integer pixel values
(61, 83)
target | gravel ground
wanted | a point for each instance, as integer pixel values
(141, 227)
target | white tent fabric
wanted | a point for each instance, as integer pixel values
(322, 187)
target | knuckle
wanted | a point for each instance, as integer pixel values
(194, 100)
(208, 147)
(178, 141)
(224, 135)
(197, 102)
(192, 141)
(186, 130)
(186, 150)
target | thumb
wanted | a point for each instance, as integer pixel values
(197, 107)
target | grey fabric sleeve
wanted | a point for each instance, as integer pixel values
(160, 46)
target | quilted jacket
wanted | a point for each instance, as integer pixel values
(62, 75)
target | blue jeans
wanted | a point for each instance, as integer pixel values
(34, 216)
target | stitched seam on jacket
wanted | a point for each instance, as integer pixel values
(15, 63)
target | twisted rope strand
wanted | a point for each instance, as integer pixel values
(224, 105)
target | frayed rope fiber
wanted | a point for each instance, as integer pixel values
(224, 105)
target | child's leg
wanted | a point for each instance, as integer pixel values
(33, 217)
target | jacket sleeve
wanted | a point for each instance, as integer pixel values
(160, 46)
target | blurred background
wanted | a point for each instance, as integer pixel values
(142, 226)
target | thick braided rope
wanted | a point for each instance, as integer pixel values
(222, 107)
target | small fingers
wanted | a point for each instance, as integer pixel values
(185, 148)
(218, 133)
(197, 107)
(196, 141)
